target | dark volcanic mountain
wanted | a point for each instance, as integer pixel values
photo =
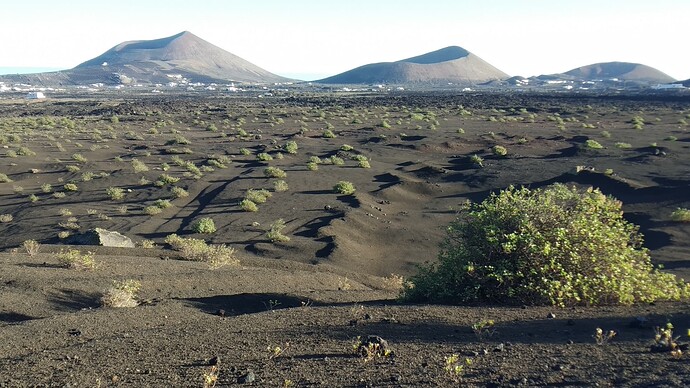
(451, 64)
(159, 61)
(623, 71)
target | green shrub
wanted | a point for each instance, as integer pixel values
(328, 134)
(258, 196)
(312, 166)
(280, 185)
(275, 234)
(274, 172)
(204, 225)
(73, 258)
(499, 150)
(47, 188)
(194, 249)
(291, 147)
(248, 206)
(79, 158)
(70, 187)
(344, 188)
(264, 157)
(165, 179)
(681, 215)
(115, 193)
(4, 178)
(553, 246)
(477, 160)
(179, 192)
(593, 144)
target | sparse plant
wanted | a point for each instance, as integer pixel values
(179, 192)
(4, 178)
(152, 210)
(275, 233)
(31, 247)
(139, 166)
(602, 337)
(46, 188)
(499, 150)
(623, 146)
(248, 206)
(73, 258)
(328, 134)
(346, 148)
(258, 196)
(121, 294)
(477, 160)
(245, 151)
(204, 225)
(280, 185)
(73, 168)
(264, 157)
(274, 172)
(664, 341)
(312, 166)
(210, 376)
(115, 193)
(363, 164)
(79, 158)
(593, 144)
(166, 179)
(291, 147)
(484, 329)
(455, 368)
(681, 215)
(147, 244)
(344, 188)
(193, 249)
(70, 187)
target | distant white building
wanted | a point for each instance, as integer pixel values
(668, 86)
(35, 96)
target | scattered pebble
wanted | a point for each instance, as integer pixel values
(247, 378)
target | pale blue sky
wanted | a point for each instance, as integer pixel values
(315, 38)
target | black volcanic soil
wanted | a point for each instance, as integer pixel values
(314, 295)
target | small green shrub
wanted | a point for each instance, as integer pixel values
(73, 258)
(280, 185)
(312, 166)
(623, 146)
(152, 210)
(363, 164)
(681, 215)
(344, 188)
(553, 246)
(275, 233)
(122, 294)
(70, 187)
(264, 157)
(245, 151)
(328, 134)
(248, 206)
(291, 147)
(258, 196)
(79, 158)
(274, 172)
(179, 192)
(499, 150)
(204, 225)
(4, 178)
(593, 144)
(477, 160)
(115, 193)
(165, 179)
(346, 147)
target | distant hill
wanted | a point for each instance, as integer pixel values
(158, 61)
(623, 71)
(451, 64)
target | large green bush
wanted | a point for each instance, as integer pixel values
(553, 246)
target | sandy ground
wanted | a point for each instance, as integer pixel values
(315, 294)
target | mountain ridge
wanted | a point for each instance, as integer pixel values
(452, 64)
